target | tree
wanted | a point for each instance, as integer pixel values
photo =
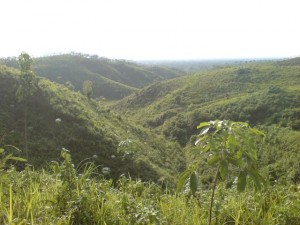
(227, 145)
(88, 88)
(27, 87)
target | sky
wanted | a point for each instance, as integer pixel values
(152, 29)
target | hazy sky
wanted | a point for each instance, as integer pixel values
(152, 29)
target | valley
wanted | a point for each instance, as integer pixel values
(133, 136)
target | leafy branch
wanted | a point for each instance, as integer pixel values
(228, 145)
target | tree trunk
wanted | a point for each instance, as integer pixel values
(213, 194)
(25, 128)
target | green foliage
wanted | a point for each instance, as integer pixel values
(79, 190)
(86, 128)
(70, 85)
(230, 144)
(112, 79)
(60, 194)
(187, 174)
(279, 155)
(27, 81)
(27, 87)
(258, 93)
(6, 159)
(227, 144)
(87, 88)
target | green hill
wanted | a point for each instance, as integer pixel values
(87, 128)
(290, 62)
(267, 95)
(112, 79)
(263, 93)
(140, 133)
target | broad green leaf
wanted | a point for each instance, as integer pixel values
(257, 178)
(7, 157)
(204, 124)
(1, 150)
(213, 144)
(214, 159)
(232, 143)
(224, 169)
(206, 148)
(257, 132)
(240, 142)
(183, 177)
(242, 181)
(193, 182)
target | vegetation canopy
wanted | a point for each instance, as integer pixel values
(114, 152)
(27, 81)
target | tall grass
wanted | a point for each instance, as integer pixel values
(63, 195)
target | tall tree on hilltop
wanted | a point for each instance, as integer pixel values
(27, 87)
(87, 88)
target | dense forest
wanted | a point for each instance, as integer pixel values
(89, 140)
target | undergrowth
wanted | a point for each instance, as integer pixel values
(65, 194)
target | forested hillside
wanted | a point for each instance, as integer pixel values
(91, 161)
(60, 118)
(112, 79)
(263, 93)
(267, 95)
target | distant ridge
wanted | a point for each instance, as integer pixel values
(112, 79)
(290, 62)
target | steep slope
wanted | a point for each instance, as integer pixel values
(266, 95)
(86, 129)
(260, 93)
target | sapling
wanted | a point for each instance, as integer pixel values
(27, 87)
(226, 143)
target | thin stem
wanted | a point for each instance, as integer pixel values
(25, 128)
(10, 217)
(213, 194)
(79, 164)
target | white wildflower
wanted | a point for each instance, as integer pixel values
(57, 120)
(105, 170)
